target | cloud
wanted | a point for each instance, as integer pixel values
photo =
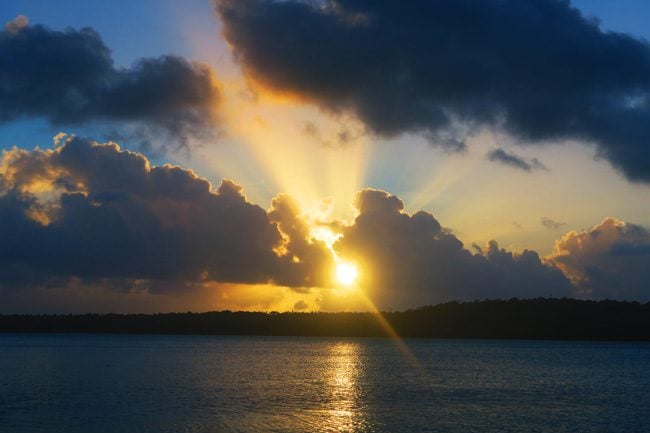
(537, 69)
(16, 24)
(343, 137)
(551, 224)
(92, 211)
(409, 260)
(68, 77)
(300, 305)
(515, 161)
(85, 223)
(311, 258)
(611, 260)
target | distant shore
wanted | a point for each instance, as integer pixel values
(548, 319)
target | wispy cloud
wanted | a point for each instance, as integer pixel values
(513, 160)
(551, 224)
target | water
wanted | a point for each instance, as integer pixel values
(110, 383)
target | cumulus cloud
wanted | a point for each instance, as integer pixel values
(410, 259)
(513, 160)
(85, 222)
(611, 260)
(537, 69)
(68, 77)
(90, 214)
(90, 210)
(312, 260)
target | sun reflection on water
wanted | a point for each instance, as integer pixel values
(342, 387)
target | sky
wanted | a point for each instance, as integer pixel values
(329, 155)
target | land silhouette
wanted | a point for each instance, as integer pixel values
(541, 318)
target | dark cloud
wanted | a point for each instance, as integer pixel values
(611, 260)
(513, 160)
(90, 221)
(68, 77)
(551, 224)
(91, 211)
(410, 260)
(537, 69)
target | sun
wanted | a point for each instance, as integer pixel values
(346, 273)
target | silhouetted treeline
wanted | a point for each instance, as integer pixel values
(562, 319)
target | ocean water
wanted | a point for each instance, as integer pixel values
(112, 383)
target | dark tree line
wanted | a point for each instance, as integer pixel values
(561, 319)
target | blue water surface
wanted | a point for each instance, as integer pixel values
(148, 383)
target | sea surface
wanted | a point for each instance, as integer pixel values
(129, 383)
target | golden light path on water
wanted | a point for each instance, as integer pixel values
(343, 375)
(342, 381)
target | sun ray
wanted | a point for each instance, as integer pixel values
(303, 164)
(395, 337)
(445, 177)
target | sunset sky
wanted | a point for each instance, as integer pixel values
(321, 155)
